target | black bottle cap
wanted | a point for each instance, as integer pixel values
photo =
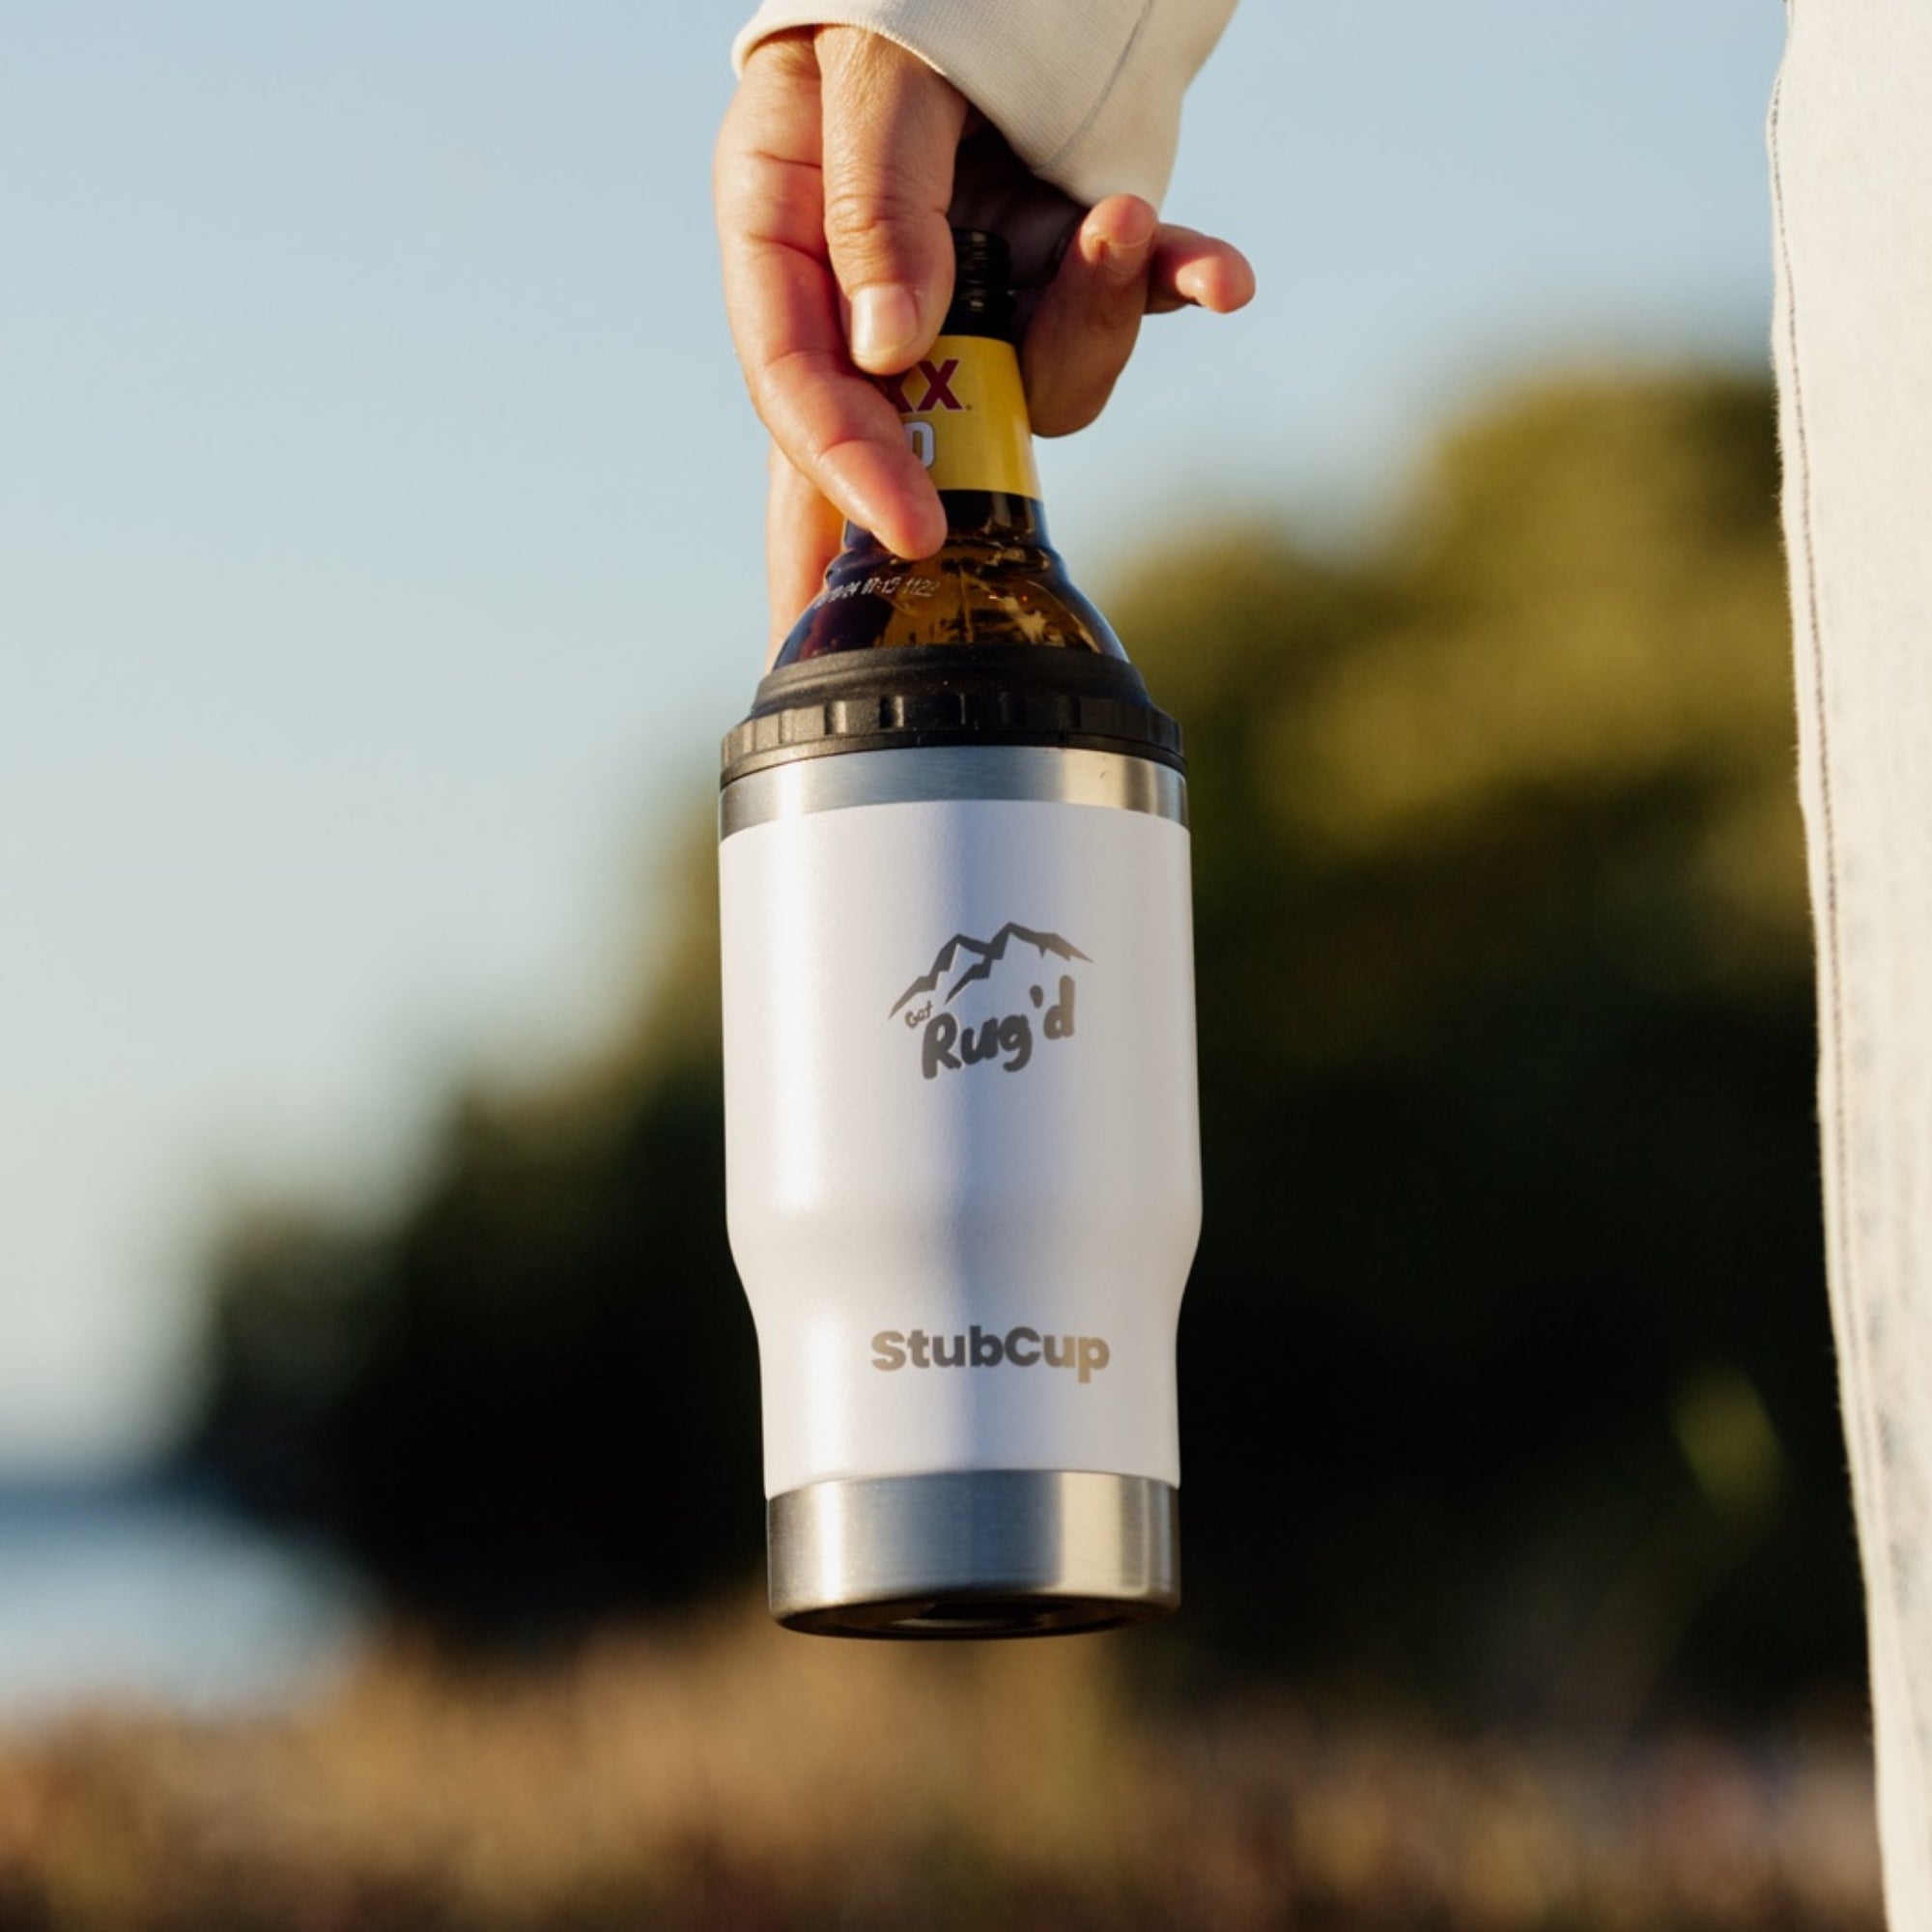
(918, 694)
(982, 293)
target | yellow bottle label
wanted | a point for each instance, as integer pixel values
(965, 416)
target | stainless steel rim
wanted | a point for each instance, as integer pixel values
(974, 1553)
(1035, 772)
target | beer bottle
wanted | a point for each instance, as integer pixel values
(997, 579)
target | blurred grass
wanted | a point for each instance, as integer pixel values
(718, 1771)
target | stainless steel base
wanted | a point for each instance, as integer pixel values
(978, 1553)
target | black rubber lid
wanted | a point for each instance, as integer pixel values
(913, 695)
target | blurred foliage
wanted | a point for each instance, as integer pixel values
(727, 1774)
(1506, 1372)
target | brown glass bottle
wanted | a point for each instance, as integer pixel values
(997, 579)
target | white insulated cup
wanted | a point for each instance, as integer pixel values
(961, 1134)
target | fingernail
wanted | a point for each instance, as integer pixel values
(885, 324)
(1132, 232)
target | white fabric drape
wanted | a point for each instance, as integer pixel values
(1850, 139)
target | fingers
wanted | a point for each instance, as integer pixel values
(891, 128)
(1120, 264)
(801, 535)
(1083, 326)
(780, 293)
(1196, 270)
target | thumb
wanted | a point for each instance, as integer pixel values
(890, 133)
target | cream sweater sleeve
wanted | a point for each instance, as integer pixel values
(1088, 92)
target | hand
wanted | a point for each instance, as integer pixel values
(840, 165)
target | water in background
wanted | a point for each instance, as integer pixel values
(152, 1592)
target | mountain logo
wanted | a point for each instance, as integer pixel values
(987, 953)
(947, 1041)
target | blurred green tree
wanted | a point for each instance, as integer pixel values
(1506, 1371)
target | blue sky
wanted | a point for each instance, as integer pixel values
(379, 524)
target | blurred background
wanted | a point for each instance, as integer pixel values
(380, 1509)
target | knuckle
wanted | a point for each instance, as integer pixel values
(867, 214)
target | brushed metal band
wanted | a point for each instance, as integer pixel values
(974, 1553)
(917, 774)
